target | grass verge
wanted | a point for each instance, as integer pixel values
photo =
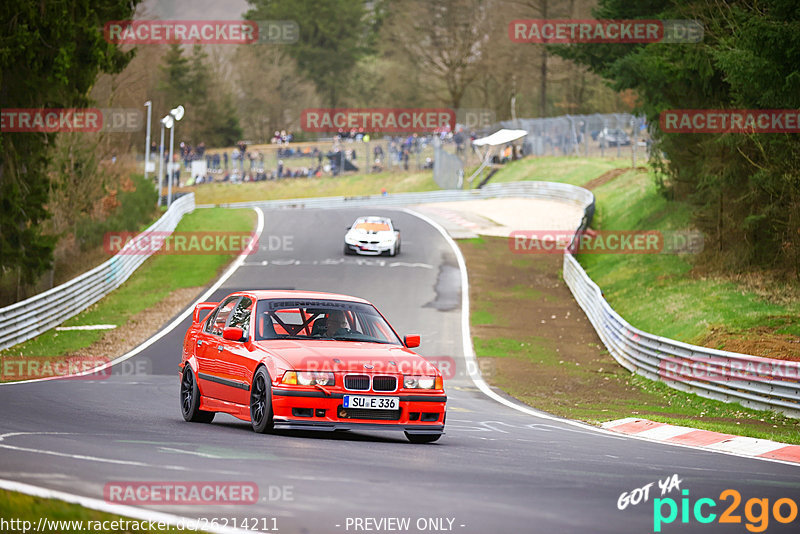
(348, 185)
(26, 508)
(149, 285)
(663, 294)
(578, 171)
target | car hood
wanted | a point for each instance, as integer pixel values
(353, 356)
(360, 233)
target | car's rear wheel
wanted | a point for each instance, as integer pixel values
(422, 438)
(190, 399)
(261, 402)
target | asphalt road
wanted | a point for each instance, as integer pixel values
(497, 470)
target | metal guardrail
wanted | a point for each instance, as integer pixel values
(542, 190)
(30, 317)
(752, 381)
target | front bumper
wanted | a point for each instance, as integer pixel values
(377, 251)
(315, 410)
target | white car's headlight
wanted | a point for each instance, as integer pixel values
(350, 240)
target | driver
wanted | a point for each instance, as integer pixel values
(336, 324)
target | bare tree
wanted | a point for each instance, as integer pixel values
(444, 39)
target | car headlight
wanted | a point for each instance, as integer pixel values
(349, 240)
(308, 378)
(422, 382)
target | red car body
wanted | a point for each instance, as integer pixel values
(350, 375)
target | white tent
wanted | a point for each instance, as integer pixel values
(499, 138)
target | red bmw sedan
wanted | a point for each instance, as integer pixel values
(307, 360)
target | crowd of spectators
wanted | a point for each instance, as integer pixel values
(242, 165)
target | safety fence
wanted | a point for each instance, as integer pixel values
(30, 317)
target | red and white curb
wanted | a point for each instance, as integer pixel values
(705, 439)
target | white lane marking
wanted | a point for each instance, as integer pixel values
(91, 458)
(182, 451)
(74, 456)
(171, 326)
(12, 434)
(119, 509)
(87, 327)
(477, 379)
(336, 261)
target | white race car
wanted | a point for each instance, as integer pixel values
(372, 236)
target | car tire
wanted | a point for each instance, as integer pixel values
(190, 399)
(347, 250)
(422, 438)
(261, 402)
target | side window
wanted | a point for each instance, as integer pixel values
(240, 317)
(220, 317)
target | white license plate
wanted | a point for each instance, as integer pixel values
(371, 402)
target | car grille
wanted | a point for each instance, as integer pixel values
(369, 242)
(360, 413)
(384, 383)
(356, 382)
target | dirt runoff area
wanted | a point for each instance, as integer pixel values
(540, 345)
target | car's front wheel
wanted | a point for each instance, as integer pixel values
(190, 399)
(422, 438)
(261, 402)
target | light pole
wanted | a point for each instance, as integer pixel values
(175, 115)
(149, 106)
(165, 122)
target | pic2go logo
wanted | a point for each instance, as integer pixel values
(756, 511)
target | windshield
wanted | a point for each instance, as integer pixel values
(322, 319)
(372, 227)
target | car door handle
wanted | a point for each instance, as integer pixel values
(219, 348)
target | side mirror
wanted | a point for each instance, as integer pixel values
(233, 333)
(411, 341)
(203, 306)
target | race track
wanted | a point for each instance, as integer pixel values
(497, 470)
